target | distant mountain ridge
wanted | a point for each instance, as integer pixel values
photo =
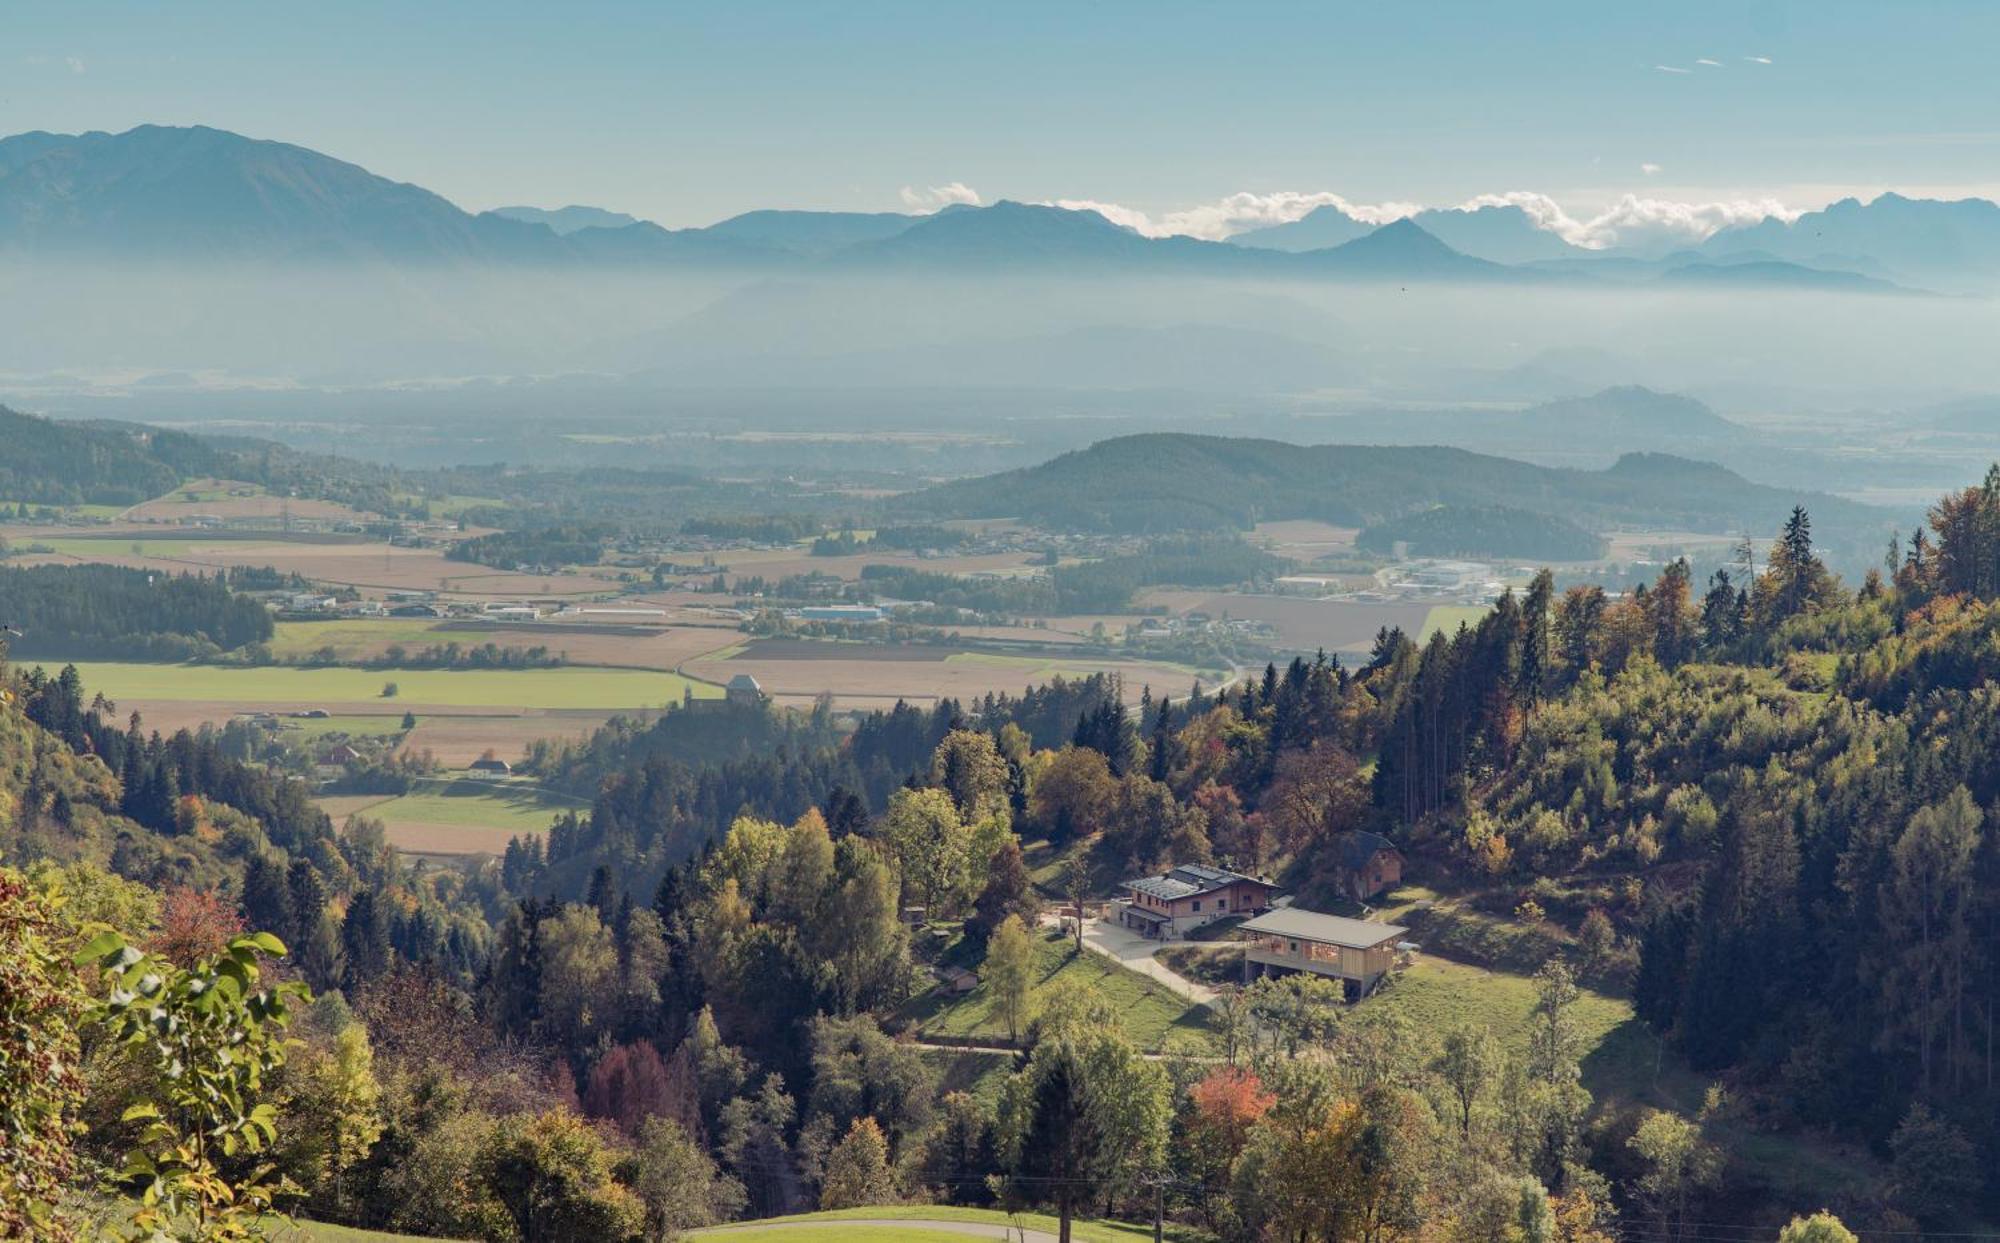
(563, 221)
(1495, 233)
(196, 194)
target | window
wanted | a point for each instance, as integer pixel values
(1197, 904)
(1222, 904)
(1295, 947)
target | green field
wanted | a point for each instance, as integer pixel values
(353, 637)
(121, 546)
(482, 802)
(564, 688)
(8, 507)
(1154, 1017)
(1447, 617)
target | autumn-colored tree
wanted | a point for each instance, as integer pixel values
(629, 1085)
(857, 1171)
(1216, 1123)
(194, 924)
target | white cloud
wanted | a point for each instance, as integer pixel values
(75, 63)
(1635, 221)
(1237, 213)
(932, 198)
(1672, 69)
(1650, 169)
(1758, 60)
(1712, 64)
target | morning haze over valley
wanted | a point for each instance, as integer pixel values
(796, 624)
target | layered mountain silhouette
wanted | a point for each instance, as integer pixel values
(1939, 243)
(566, 220)
(1497, 234)
(170, 194)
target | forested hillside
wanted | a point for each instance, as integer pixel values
(104, 612)
(1180, 482)
(48, 463)
(1760, 811)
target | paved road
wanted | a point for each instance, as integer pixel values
(972, 1229)
(1129, 948)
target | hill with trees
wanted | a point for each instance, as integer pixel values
(1168, 482)
(105, 612)
(51, 463)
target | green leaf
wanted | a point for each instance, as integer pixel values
(263, 941)
(101, 946)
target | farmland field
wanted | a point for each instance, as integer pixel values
(462, 815)
(418, 688)
(1448, 618)
(629, 647)
(370, 567)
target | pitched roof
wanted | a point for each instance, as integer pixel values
(1189, 880)
(1355, 934)
(743, 682)
(1361, 846)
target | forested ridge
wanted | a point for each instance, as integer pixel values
(83, 612)
(48, 463)
(1765, 804)
(1168, 482)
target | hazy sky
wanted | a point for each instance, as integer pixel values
(685, 113)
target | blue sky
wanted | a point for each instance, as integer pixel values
(688, 113)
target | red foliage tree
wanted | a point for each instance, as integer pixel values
(632, 1083)
(194, 924)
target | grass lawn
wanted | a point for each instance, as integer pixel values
(351, 638)
(835, 1232)
(468, 688)
(1153, 1017)
(1436, 995)
(1084, 1229)
(496, 804)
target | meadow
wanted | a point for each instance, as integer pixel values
(459, 815)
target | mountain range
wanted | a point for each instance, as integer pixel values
(167, 194)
